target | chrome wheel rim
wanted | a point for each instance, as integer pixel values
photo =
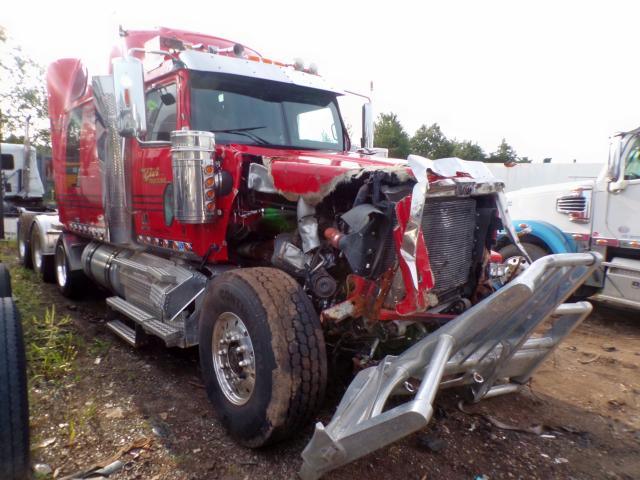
(22, 248)
(233, 358)
(61, 267)
(520, 259)
(37, 255)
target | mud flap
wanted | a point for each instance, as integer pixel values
(491, 349)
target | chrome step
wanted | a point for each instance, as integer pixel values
(136, 314)
(125, 332)
(171, 335)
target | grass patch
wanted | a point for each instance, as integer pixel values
(51, 346)
(50, 341)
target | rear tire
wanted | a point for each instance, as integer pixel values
(24, 251)
(70, 283)
(264, 312)
(42, 264)
(5, 282)
(14, 407)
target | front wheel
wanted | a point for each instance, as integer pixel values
(262, 354)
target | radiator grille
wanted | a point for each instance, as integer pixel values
(448, 226)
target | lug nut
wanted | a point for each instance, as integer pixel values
(241, 349)
(244, 363)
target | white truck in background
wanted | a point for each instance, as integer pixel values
(601, 215)
(37, 227)
(23, 185)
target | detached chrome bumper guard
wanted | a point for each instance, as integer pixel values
(491, 348)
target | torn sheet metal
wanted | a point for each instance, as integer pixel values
(507, 224)
(412, 231)
(260, 180)
(453, 166)
(289, 257)
(322, 175)
(307, 226)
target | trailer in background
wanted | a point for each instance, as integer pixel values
(23, 186)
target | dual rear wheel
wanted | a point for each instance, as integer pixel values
(30, 254)
(71, 283)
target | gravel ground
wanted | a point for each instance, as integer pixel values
(148, 409)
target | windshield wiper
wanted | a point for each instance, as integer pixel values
(245, 132)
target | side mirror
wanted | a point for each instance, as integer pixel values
(128, 82)
(615, 153)
(367, 126)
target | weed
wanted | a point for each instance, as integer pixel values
(72, 431)
(51, 346)
(99, 348)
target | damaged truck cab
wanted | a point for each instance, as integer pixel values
(214, 192)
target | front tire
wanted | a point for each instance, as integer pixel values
(42, 264)
(14, 407)
(262, 354)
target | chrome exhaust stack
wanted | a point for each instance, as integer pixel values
(115, 199)
(490, 349)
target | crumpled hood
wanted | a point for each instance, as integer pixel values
(314, 174)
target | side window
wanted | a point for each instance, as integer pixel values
(73, 147)
(7, 162)
(632, 162)
(317, 126)
(161, 113)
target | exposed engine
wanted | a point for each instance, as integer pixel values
(344, 250)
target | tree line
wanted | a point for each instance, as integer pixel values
(23, 96)
(431, 142)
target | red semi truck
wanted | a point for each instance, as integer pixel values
(216, 194)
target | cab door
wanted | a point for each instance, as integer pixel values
(151, 168)
(622, 221)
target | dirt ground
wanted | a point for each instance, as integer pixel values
(148, 408)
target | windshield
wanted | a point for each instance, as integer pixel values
(632, 160)
(261, 112)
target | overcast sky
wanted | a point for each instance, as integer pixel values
(555, 78)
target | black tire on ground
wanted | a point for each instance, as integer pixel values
(5, 281)
(24, 250)
(534, 251)
(14, 408)
(290, 362)
(42, 264)
(70, 283)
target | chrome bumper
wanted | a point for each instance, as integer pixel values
(491, 349)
